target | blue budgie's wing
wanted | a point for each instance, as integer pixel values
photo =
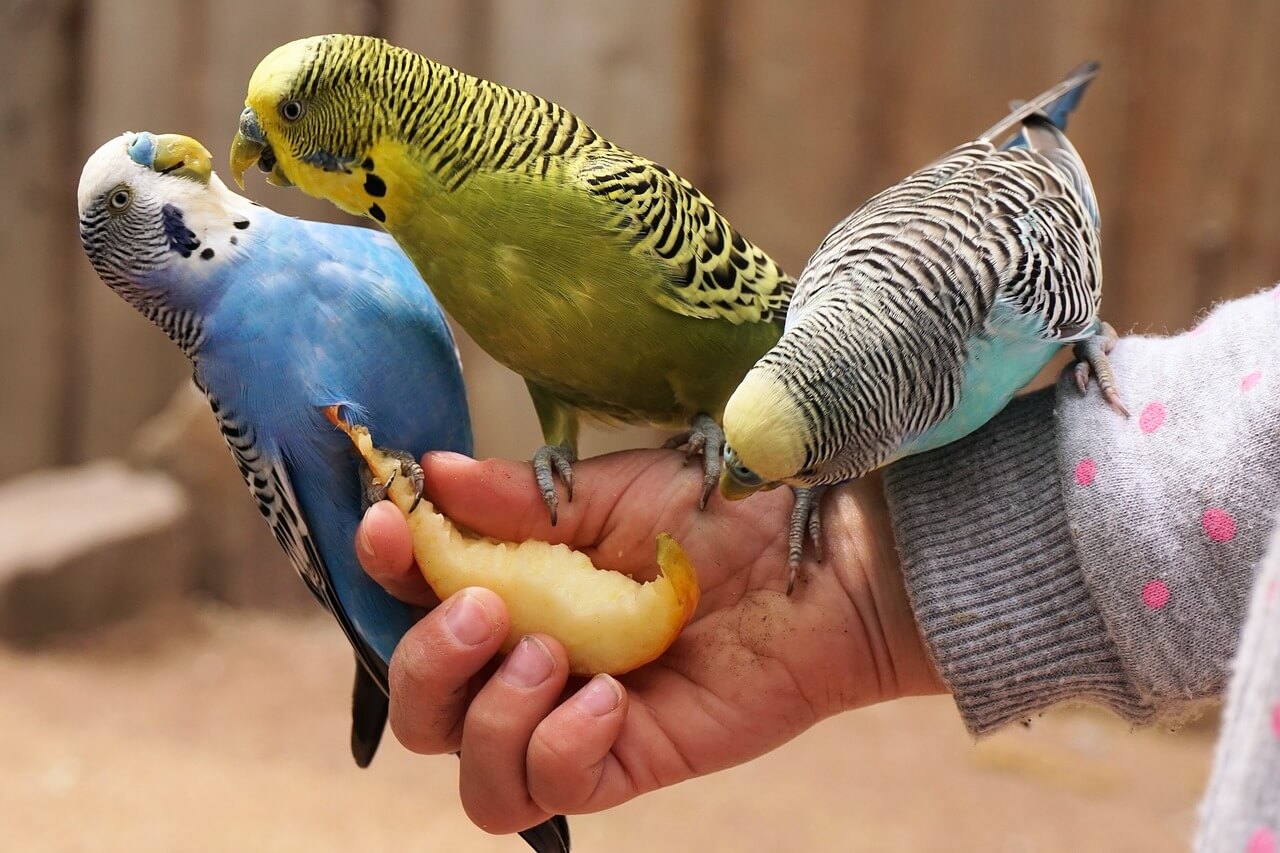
(289, 522)
(386, 356)
(271, 483)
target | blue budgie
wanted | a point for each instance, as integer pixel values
(922, 314)
(283, 319)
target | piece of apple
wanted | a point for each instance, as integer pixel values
(606, 621)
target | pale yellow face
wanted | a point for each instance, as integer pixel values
(764, 428)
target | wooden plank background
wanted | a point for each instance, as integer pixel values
(787, 114)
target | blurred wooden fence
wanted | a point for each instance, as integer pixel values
(788, 114)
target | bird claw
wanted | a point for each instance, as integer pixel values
(561, 457)
(376, 490)
(1092, 361)
(706, 437)
(806, 523)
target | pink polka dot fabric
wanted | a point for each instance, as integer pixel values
(1218, 524)
(1263, 840)
(1155, 594)
(1152, 417)
(1170, 512)
(1241, 808)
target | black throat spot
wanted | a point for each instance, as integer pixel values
(374, 185)
(181, 238)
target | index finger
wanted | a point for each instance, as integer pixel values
(385, 551)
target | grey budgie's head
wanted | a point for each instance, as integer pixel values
(155, 220)
(819, 408)
(764, 430)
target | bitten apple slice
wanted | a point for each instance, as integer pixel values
(606, 621)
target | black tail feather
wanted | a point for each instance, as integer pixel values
(368, 715)
(550, 836)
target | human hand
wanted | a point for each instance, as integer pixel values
(751, 670)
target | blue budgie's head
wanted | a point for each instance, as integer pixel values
(156, 221)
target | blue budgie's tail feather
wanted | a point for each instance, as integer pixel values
(550, 836)
(369, 705)
(1056, 104)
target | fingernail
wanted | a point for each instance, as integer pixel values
(528, 665)
(364, 547)
(469, 621)
(601, 695)
(449, 456)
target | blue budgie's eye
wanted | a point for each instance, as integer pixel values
(119, 200)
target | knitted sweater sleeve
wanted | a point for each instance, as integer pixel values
(1064, 553)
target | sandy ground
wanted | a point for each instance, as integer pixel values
(213, 730)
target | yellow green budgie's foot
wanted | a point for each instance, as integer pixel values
(706, 437)
(375, 491)
(1091, 357)
(562, 456)
(806, 519)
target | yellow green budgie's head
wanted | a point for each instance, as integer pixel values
(764, 431)
(318, 112)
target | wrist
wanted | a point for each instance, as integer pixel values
(865, 559)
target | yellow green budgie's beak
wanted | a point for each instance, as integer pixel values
(172, 154)
(250, 147)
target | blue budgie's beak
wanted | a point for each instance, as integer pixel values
(172, 154)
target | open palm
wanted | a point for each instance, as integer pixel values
(751, 670)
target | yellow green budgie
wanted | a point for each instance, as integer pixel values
(611, 284)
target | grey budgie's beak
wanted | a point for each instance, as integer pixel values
(735, 488)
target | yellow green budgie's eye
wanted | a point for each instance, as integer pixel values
(120, 200)
(292, 110)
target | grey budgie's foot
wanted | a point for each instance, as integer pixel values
(562, 457)
(1091, 357)
(706, 437)
(375, 490)
(806, 522)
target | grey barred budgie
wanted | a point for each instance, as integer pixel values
(923, 313)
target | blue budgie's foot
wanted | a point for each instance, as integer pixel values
(806, 522)
(562, 457)
(1091, 357)
(706, 437)
(375, 491)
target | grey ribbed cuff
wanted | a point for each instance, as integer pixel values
(993, 575)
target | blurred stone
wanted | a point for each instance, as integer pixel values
(83, 547)
(237, 559)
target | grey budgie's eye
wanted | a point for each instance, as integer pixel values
(292, 110)
(741, 472)
(120, 199)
